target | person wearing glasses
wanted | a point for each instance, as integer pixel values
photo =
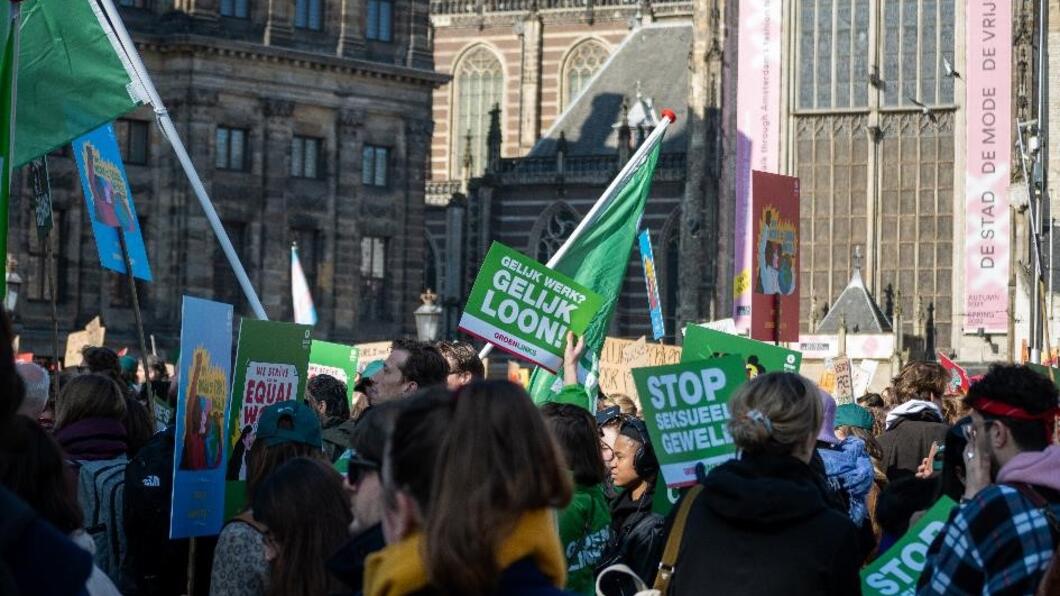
(1004, 535)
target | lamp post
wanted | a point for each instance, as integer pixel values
(428, 317)
(14, 284)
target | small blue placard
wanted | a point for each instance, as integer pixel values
(658, 328)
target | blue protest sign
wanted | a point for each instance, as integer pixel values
(647, 258)
(202, 415)
(109, 201)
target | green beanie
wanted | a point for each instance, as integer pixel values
(853, 415)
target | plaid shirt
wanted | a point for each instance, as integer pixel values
(997, 543)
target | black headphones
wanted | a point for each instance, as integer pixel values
(645, 464)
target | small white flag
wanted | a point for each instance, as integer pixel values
(304, 311)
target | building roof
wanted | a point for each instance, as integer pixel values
(648, 69)
(857, 308)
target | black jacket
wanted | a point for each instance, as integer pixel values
(638, 536)
(762, 525)
(908, 442)
(348, 563)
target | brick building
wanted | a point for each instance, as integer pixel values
(308, 121)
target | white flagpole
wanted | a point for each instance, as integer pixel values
(609, 193)
(170, 132)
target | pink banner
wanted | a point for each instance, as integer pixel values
(988, 85)
(758, 130)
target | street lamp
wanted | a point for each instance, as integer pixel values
(14, 284)
(428, 317)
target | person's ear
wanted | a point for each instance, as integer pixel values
(1000, 435)
(411, 387)
(400, 518)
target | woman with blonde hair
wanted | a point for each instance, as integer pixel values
(766, 502)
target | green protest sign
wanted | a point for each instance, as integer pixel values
(270, 367)
(686, 408)
(897, 570)
(337, 360)
(525, 308)
(665, 497)
(701, 343)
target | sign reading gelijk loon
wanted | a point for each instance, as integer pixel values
(525, 308)
(686, 409)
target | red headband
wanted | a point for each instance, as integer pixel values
(1004, 410)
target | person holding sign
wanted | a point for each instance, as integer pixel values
(1004, 535)
(762, 524)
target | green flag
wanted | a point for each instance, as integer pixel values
(8, 80)
(597, 259)
(73, 75)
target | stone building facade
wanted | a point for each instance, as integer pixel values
(308, 121)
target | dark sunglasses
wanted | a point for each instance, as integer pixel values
(357, 467)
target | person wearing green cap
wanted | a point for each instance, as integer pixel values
(852, 420)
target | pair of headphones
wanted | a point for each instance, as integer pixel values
(645, 464)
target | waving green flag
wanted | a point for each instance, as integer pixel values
(8, 80)
(597, 259)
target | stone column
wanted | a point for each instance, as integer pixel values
(351, 31)
(530, 82)
(348, 199)
(274, 279)
(278, 23)
(412, 232)
(197, 250)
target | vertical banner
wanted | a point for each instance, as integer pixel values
(40, 186)
(647, 258)
(301, 298)
(757, 131)
(109, 202)
(337, 360)
(988, 88)
(271, 364)
(202, 416)
(775, 283)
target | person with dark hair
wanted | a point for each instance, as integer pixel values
(915, 422)
(327, 395)
(299, 537)
(469, 484)
(761, 523)
(31, 465)
(365, 489)
(464, 364)
(1004, 535)
(411, 365)
(585, 525)
(638, 532)
(286, 430)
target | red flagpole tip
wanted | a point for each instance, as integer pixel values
(669, 115)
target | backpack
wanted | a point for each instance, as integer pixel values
(1050, 582)
(101, 492)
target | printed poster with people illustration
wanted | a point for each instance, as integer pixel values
(109, 202)
(775, 210)
(202, 415)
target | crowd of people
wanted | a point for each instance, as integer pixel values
(439, 481)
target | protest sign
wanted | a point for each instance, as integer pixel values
(844, 380)
(337, 360)
(202, 415)
(686, 409)
(959, 382)
(525, 308)
(665, 498)
(93, 335)
(647, 259)
(109, 201)
(897, 570)
(775, 262)
(615, 374)
(702, 343)
(864, 373)
(370, 352)
(271, 364)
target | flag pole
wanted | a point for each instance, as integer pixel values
(15, 27)
(631, 166)
(138, 319)
(170, 132)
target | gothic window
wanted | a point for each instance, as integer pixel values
(833, 46)
(582, 63)
(553, 229)
(917, 40)
(479, 86)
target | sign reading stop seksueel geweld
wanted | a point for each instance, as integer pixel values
(525, 308)
(686, 408)
(897, 570)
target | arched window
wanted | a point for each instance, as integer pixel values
(582, 63)
(479, 86)
(552, 230)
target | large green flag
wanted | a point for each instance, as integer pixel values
(597, 259)
(9, 13)
(73, 75)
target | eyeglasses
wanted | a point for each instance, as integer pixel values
(357, 468)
